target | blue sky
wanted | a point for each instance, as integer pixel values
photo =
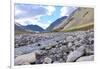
(41, 15)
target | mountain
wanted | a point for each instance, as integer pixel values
(55, 23)
(80, 19)
(19, 29)
(34, 28)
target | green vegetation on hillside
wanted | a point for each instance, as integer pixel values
(80, 28)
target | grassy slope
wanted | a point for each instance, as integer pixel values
(80, 28)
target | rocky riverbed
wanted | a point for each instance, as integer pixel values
(58, 47)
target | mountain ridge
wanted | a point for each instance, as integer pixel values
(55, 23)
(81, 16)
(34, 28)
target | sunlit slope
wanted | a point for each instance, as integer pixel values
(83, 27)
(81, 19)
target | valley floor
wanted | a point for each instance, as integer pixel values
(55, 47)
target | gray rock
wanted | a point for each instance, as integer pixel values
(48, 47)
(86, 58)
(63, 48)
(60, 46)
(70, 44)
(47, 60)
(57, 55)
(69, 38)
(75, 54)
(58, 50)
(43, 52)
(77, 43)
(53, 50)
(61, 60)
(88, 51)
(25, 59)
(23, 50)
(65, 57)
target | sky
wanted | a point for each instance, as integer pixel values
(41, 15)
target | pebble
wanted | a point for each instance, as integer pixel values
(70, 44)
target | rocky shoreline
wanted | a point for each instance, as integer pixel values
(45, 48)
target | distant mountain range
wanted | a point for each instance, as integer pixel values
(34, 28)
(80, 19)
(27, 29)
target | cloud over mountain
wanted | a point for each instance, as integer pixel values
(41, 15)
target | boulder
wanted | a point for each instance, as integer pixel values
(86, 58)
(75, 54)
(25, 59)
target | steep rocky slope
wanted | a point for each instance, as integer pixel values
(56, 23)
(81, 18)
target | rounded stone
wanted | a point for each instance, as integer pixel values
(47, 60)
(70, 44)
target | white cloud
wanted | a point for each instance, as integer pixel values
(17, 11)
(67, 10)
(64, 10)
(50, 9)
(33, 21)
(32, 16)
